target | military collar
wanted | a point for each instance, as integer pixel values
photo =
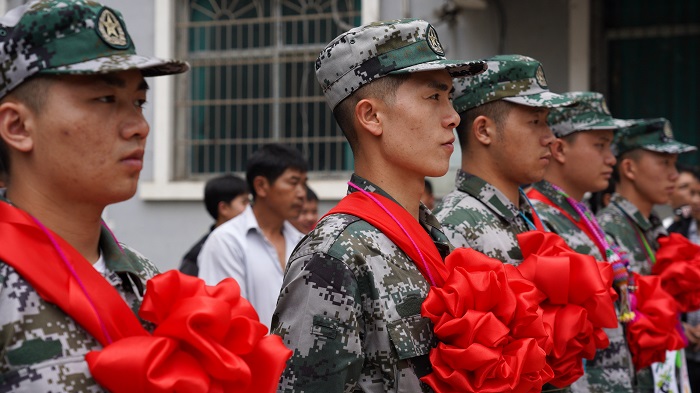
(489, 195)
(547, 190)
(631, 211)
(425, 216)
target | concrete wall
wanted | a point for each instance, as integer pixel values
(164, 231)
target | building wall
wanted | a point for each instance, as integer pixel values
(164, 231)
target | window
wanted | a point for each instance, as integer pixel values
(253, 82)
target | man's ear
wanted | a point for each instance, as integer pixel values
(627, 169)
(368, 116)
(559, 148)
(262, 186)
(16, 124)
(484, 130)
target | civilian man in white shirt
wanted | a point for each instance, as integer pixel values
(253, 247)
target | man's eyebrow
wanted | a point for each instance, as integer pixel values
(439, 85)
(114, 80)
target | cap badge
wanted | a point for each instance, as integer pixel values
(434, 42)
(668, 133)
(111, 30)
(539, 75)
(604, 108)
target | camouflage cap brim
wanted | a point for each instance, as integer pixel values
(457, 69)
(545, 99)
(671, 147)
(610, 124)
(149, 66)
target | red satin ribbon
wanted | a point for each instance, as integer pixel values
(653, 331)
(678, 265)
(25, 247)
(208, 339)
(485, 314)
(579, 301)
(537, 195)
(359, 205)
(492, 338)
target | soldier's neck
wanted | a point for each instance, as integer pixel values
(77, 224)
(510, 189)
(629, 192)
(405, 189)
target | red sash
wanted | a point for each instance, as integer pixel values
(359, 205)
(535, 194)
(28, 249)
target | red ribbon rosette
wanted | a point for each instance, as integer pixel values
(678, 265)
(653, 330)
(491, 337)
(578, 304)
(208, 339)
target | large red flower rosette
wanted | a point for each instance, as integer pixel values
(678, 265)
(653, 330)
(578, 305)
(208, 339)
(491, 337)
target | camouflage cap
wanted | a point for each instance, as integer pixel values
(590, 113)
(649, 134)
(514, 78)
(69, 37)
(363, 54)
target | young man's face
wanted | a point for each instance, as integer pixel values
(589, 161)
(419, 126)
(681, 193)
(655, 175)
(285, 196)
(308, 217)
(521, 146)
(695, 199)
(89, 137)
(234, 207)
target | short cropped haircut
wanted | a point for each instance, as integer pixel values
(222, 189)
(32, 93)
(270, 161)
(383, 88)
(495, 110)
(633, 155)
(311, 195)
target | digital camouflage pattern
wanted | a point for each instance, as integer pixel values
(611, 370)
(41, 348)
(69, 37)
(514, 78)
(558, 223)
(349, 308)
(624, 222)
(649, 134)
(590, 113)
(479, 216)
(365, 53)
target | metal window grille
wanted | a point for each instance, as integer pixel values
(253, 82)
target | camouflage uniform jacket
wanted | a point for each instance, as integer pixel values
(624, 222)
(41, 348)
(611, 370)
(479, 216)
(560, 224)
(349, 308)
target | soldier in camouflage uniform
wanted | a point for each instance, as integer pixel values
(505, 143)
(72, 135)
(582, 161)
(350, 302)
(646, 173)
